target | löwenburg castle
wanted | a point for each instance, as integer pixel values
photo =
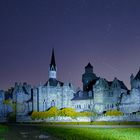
(98, 95)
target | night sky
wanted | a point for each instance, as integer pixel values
(104, 32)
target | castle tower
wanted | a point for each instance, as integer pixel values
(88, 78)
(52, 69)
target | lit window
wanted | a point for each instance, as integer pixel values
(52, 103)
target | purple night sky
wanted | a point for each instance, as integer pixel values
(104, 32)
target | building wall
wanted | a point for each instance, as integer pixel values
(45, 97)
(83, 105)
(2, 106)
(22, 99)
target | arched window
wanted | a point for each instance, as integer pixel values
(112, 105)
(44, 105)
(108, 106)
(90, 93)
(80, 93)
(52, 103)
(84, 106)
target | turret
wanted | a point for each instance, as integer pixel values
(88, 78)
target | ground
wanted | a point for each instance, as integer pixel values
(75, 132)
(70, 132)
(25, 132)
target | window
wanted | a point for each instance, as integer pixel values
(90, 93)
(52, 103)
(84, 106)
(80, 94)
(112, 105)
(44, 105)
(111, 94)
(108, 106)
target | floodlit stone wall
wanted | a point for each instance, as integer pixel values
(49, 96)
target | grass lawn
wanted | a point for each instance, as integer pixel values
(70, 133)
(3, 128)
(92, 123)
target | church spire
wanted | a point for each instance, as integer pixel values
(52, 70)
(52, 64)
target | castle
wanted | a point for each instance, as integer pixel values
(98, 95)
(53, 92)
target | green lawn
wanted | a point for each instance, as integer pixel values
(92, 123)
(70, 133)
(3, 128)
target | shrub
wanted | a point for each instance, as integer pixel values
(67, 112)
(10, 103)
(85, 114)
(7, 102)
(52, 112)
(113, 113)
(35, 115)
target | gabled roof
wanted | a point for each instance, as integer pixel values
(53, 82)
(123, 86)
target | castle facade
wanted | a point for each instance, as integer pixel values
(53, 92)
(98, 95)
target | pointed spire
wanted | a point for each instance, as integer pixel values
(53, 68)
(52, 64)
(89, 65)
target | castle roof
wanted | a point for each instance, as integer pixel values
(123, 86)
(137, 75)
(53, 82)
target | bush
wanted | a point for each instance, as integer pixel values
(10, 103)
(113, 113)
(85, 114)
(52, 112)
(66, 112)
(70, 112)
